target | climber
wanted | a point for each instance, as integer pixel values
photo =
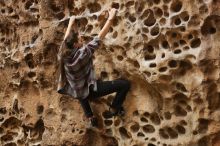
(77, 77)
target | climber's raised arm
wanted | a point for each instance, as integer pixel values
(70, 27)
(108, 24)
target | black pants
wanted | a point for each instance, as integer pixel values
(104, 88)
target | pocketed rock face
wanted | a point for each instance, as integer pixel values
(168, 49)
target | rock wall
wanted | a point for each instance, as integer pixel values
(168, 49)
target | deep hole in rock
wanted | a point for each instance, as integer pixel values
(184, 16)
(172, 133)
(120, 58)
(117, 122)
(175, 45)
(136, 113)
(124, 133)
(60, 15)
(34, 37)
(166, 14)
(31, 74)
(1, 130)
(162, 69)
(186, 48)
(207, 27)
(204, 141)
(116, 72)
(152, 65)
(81, 132)
(135, 127)
(149, 48)
(34, 10)
(39, 127)
(28, 4)
(203, 9)
(29, 60)
(165, 44)
(155, 118)
(166, 1)
(182, 28)
(108, 122)
(139, 6)
(180, 129)
(6, 138)
(167, 115)
(203, 125)
(158, 12)
(155, 30)
(179, 111)
(182, 42)
(40, 109)
(140, 134)
(129, 3)
(136, 64)
(149, 57)
(144, 119)
(11, 122)
(181, 87)
(177, 51)
(106, 115)
(115, 34)
(115, 22)
(147, 73)
(104, 74)
(10, 10)
(89, 28)
(94, 7)
(3, 11)
(173, 34)
(15, 106)
(212, 30)
(163, 134)
(115, 5)
(156, 1)
(190, 36)
(162, 21)
(184, 66)
(150, 21)
(195, 43)
(176, 6)
(132, 18)
(177, 21)
(172, 63)
(180, 97)
(183, 122)
(148, 129)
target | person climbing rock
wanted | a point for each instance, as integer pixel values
(77, 76)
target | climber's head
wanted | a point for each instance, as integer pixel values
(75, 40)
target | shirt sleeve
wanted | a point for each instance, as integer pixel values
(92, 45)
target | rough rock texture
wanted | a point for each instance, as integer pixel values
(168, 49)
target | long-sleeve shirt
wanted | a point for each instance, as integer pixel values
(77, 71)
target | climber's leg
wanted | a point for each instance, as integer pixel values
(120, 86)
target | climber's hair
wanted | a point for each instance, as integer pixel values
(71, 40)
(68, 45)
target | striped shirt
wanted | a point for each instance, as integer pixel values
(77, 71)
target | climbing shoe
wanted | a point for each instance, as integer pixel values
(111, 113)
